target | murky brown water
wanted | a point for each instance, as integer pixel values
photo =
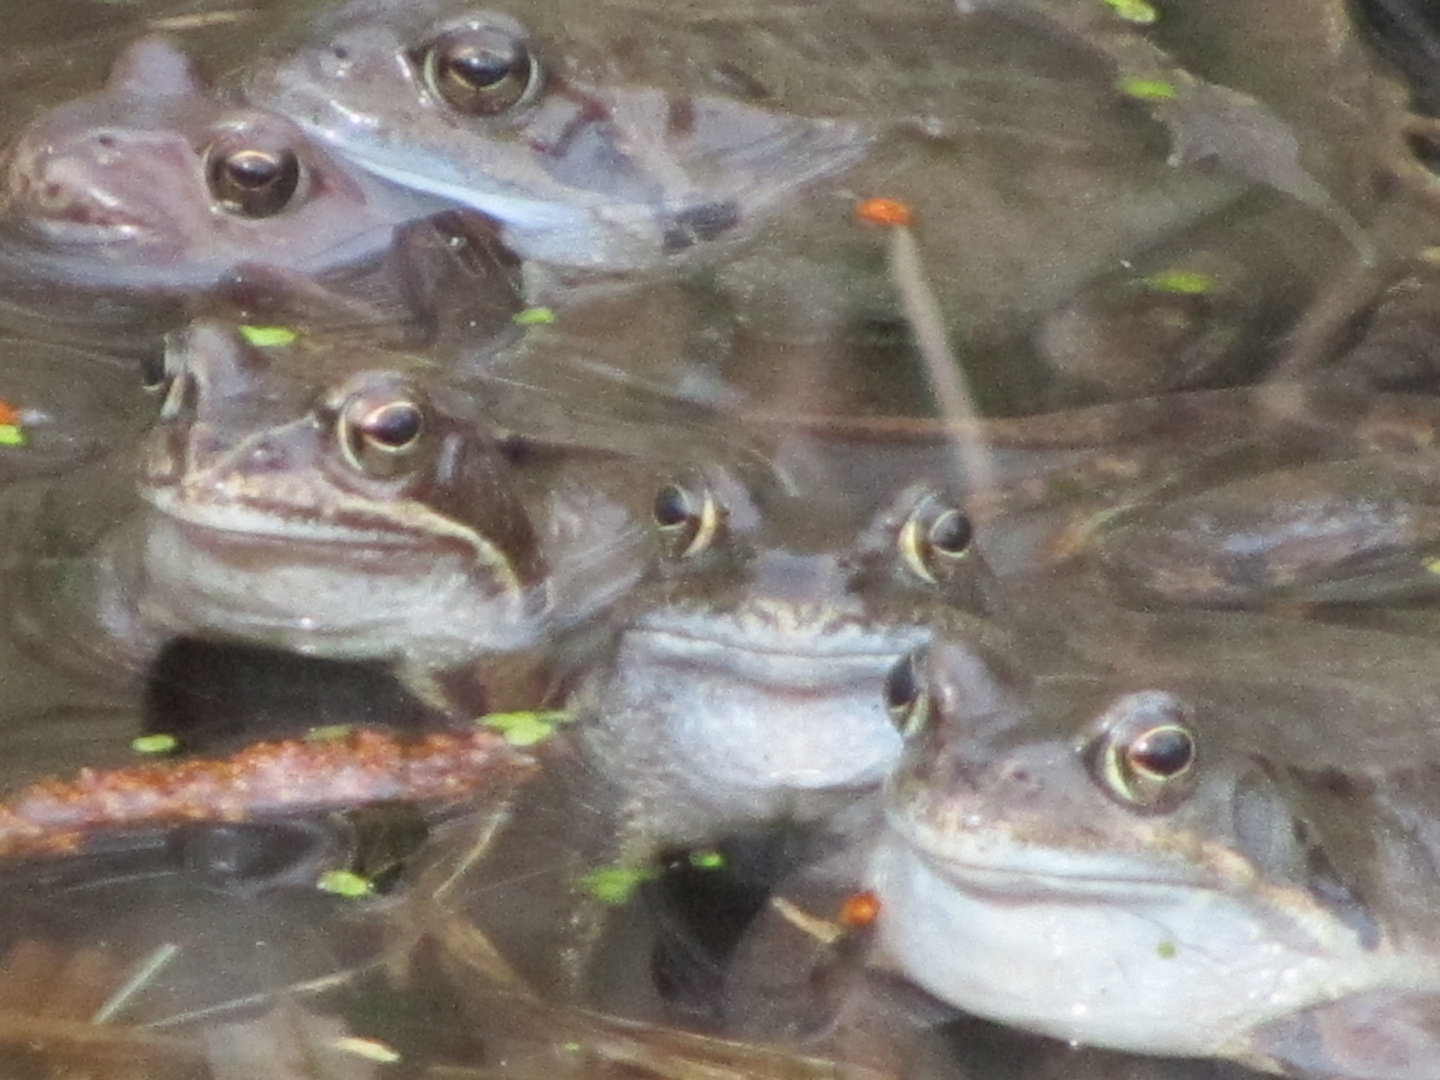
(144, 958)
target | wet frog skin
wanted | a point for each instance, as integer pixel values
(365, 521)
(660, 153)
(156, 182)
(743, 686)
(1347, 516)
(384, 516)
(1169, 862)
(590, 160)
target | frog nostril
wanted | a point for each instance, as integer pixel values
(267, 457)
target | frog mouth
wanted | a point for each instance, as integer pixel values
(72, 218)
(1008, 868)
(820, 661)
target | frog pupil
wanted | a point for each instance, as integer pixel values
(1162, 752)
(672, 507)
(253, 182)
(153, 371)
(951, 533)
(482, 67)
(252, 169)
(393, 426)
(900, 687)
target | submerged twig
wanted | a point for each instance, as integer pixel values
(54, 816)
(922, 311)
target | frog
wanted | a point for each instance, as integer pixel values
(734, 692)
(516, 114)
(1340, 513)
(914, 104)
(741, 688)
(1177, 855)
(156, 180)
(158, 194)
(375, 519)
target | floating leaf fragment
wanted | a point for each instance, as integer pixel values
(345, 883)
(534, 316)
(155, 744)
(524, 728)
(1134, 11)
(267, 337)
(1146, 89)
(1185, 282)
(616, 884)
(707, 860)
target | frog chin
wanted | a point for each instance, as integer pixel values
(1159, 967)
(744, 736)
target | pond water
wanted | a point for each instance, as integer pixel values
(1102, 213)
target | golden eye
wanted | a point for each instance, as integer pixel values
(252, 181)
(934, 539)
(380, 436)
(688, 520)
(1143, 751)
(481, 70)
(905, 698)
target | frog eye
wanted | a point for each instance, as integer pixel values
(167, 375)
(688, 519)
(1143, 751)
(934, 539)
(251, 181)
(379, 437)
(155, 372)
(480, 70)
(905, 698)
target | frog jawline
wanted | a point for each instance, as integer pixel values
(862, 647)
(1004, 870)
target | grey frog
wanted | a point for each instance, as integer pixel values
(1180, 860)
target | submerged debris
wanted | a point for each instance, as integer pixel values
(54, 816)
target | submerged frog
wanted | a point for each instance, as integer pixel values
(372, 521)
(1342, 510)
(743, 688)
(1184, 861)
(629, 138)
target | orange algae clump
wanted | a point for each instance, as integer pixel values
(891, 212)
(860, 910)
